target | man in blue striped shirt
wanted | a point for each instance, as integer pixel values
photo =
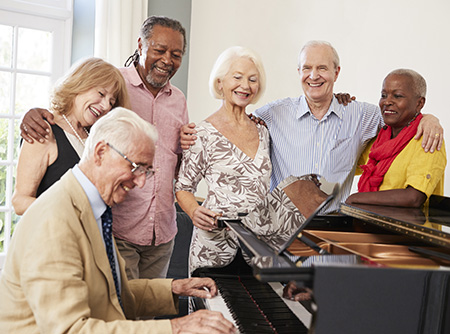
(314, 133)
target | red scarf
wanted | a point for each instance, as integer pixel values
(383, 152)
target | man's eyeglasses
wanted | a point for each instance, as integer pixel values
(137, 170)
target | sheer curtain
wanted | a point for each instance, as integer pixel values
(117, 24)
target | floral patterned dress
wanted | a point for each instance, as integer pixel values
(236, 184)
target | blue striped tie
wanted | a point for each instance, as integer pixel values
(107, 237)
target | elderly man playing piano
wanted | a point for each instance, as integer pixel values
(63, 273)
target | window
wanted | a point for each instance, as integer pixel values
(34, 52)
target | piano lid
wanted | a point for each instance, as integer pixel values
(430, 224)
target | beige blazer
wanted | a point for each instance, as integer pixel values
(57, 277)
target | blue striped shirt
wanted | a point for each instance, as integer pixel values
(301, 144)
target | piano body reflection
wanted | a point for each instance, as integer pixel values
(386, 269)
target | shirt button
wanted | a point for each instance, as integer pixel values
(428, 176)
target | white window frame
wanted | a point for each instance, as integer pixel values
(50, 15)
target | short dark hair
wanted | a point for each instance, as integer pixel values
(147, 27)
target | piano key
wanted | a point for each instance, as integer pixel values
(254, 314)
(217, 303)
(296, 307)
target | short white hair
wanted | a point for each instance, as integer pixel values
(223, 64)
(314, 43)
(120, 128)
(419, 83)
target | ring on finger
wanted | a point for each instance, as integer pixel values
(436, 135)
(25, 128)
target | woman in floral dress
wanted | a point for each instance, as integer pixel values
(231, 154)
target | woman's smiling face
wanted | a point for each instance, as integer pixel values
(89, 106)
(399, 102)
(241, 84)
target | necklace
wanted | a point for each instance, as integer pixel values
(74, 131)
(412, 119)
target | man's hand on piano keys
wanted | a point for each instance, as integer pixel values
(293, 292)
(202, 287)
(203, 321)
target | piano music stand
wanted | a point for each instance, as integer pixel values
(260, 248)
(310, 218)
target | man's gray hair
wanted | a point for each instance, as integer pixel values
(314, 43)
(121, 128)
(419, 83)
(223, 64)
(146, 31)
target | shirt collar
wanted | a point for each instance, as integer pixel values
(136, 80)
(96, 201)
(304, 107)
(166, 89)
(335, 108)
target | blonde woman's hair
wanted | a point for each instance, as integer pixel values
(85, 75)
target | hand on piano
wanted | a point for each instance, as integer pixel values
(202, 287)
(293, 292)
(203, 321)
(204, 218)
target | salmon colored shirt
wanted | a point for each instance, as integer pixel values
(150, 211)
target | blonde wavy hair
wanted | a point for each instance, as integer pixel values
(88, 74)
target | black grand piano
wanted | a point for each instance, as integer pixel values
(371, 269)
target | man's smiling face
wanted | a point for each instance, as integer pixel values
(160, 57)
(318, 73)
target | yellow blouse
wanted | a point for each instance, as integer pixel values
(413, 167)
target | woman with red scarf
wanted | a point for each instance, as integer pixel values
(398, 172)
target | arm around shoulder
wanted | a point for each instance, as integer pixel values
(34, 125)
(432, 132)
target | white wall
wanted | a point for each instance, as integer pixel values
(371, 37)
